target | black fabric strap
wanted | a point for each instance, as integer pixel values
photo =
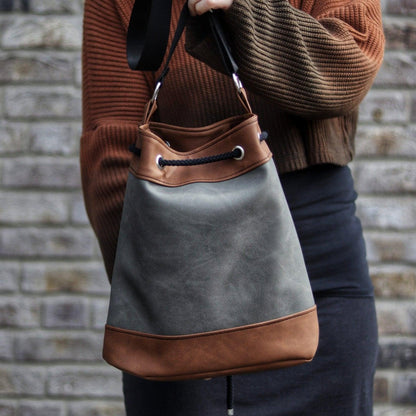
(223, 47)
(148, 33)
(183, 18)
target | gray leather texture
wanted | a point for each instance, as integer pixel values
(207, 256)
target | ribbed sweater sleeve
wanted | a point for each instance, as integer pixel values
(315, 59)
(113, 102)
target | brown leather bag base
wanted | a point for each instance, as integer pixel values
(271, 345)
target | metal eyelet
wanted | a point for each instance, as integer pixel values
(241, 157)
(158, 159)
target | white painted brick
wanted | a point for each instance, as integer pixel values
(99, 312)
(19, 312)
(394, 281)
(400, 33)
(8, 408)
(9, 276)
(43, 102)
(398, 70)
(65, 312)
(397, 213)
(41, 172)
(12, 138)
(26, 208)
(385, 107)
(87, 381)
(41, 408)
(23, 380)
(53, 139)
(28, 32)
(404, 8)
(386, 141)
(78, 212)
(57, 346)
(36, 67)
(391, 247)
(394, 411)
(78, 73)
(383, 381)
(397, 353)
(38, 243)
(2, 106)
(55, 6)
(396, 318)
(404, 391)
(51, 277)
(6, 346)
(93, 408)
(387, 176)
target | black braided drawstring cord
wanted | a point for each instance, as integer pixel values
(230, 396)
(236, 153)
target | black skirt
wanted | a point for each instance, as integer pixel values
(339, 380)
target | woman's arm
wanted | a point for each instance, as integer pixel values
(312, 58)
(113, 101)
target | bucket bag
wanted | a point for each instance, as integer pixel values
(209, 278)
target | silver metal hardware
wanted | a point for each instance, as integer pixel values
(158, 158)
(241, 157)
(237, 82)
(156, 91)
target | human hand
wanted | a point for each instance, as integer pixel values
(197, 7)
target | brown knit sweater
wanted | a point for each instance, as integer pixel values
(307, 64)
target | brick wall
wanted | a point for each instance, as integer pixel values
(53, 292)
(385, 173)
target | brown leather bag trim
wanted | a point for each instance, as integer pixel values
(274, 344)
(230, 134)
